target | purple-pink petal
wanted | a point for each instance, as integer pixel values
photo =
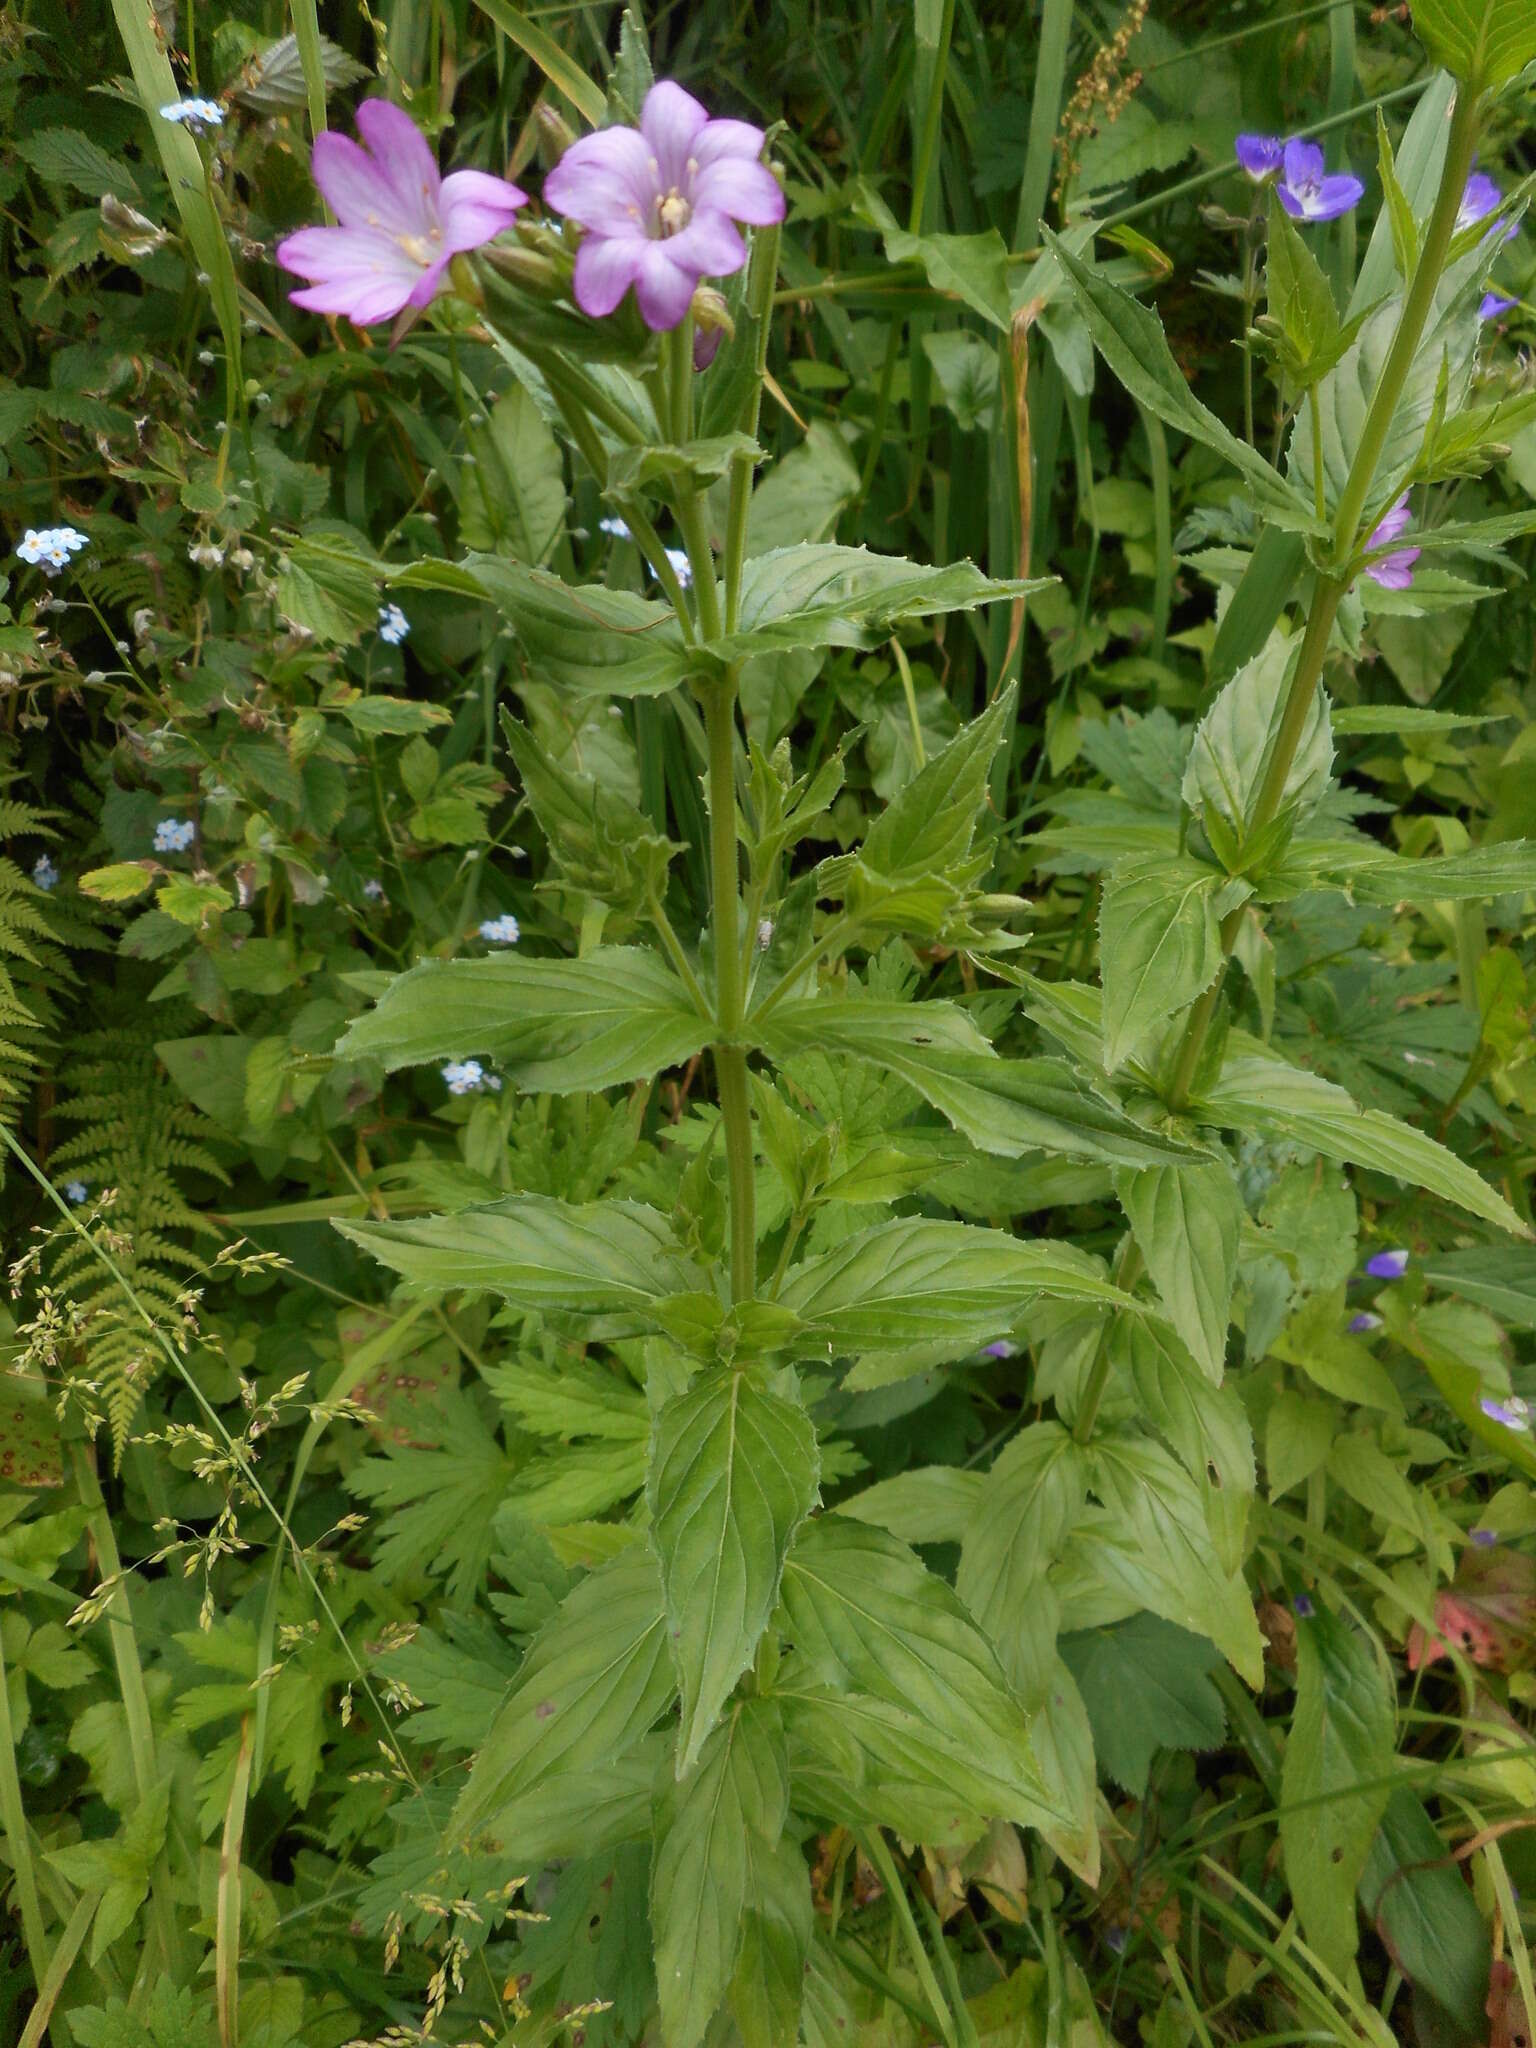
(1387, 530)
(475, 208)
(356, 189)
(744, 188)
(663, 289)
(1259, 155)
(1394, 572)
(605, 182)
(671, 122)
(709, 246)
(404, 156)
(606, 267)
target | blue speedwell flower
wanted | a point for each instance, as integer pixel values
(1305, 189)
(500, 931)
(1358, 1325)
(1512, 1412)
(1387, 1265)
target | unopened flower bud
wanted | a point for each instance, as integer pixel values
(555, 133)
(465, 282)
(524, 267)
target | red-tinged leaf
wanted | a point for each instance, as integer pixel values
(1488, 1613)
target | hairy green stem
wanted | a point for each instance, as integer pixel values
(13, 1818)
(760, 282)
(729, 1057)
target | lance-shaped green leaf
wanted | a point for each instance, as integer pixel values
(1229, 756)
(1034, 1493)
(1336, 1779)
(595, 1679)
(585, 637)
(1374, 874)
(1256, 1091)
(1186, 1221)
(714, 1829)
(1415, 1894)
(931, 1504)
(1484, 43)
(1130, 339)
(1206, 1426)
(600, 843)
(733, 1473)
(1003, 1106)
(551, 1025)
(820, 594)
(1267, 585)
(867, 1617)
(613, 1263)
(1156, 1549)
(916, 1283)
(932, 822)
(1159, 947)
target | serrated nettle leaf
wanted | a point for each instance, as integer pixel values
(915, 1282)
(1130, 339)
(1257, 1091)
(1377, 875)
(1187, 1221)
(1156, 1548)
(929, 827)
(550, 1025)
(1233, 743)
(1205, 1426)
(596, 1678)
(632, 469)
(1028, 1502)
(1484, 43)
(585, 637)
(712, 1830)
(512, 498)
(1003, 1106)
(867, 1761)
(1399, 210)
(1336, 1779)
(733, 1474)
(616, 1263)
(1146, 1686)
(768, 1983)
(868, 1617)
(1159, 947)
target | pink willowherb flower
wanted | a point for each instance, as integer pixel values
(401, 222)
(1392, 572)
(659, 204)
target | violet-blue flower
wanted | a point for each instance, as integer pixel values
(1364, 1321)
(1512, 1412)
(1493, 304)
(1304, 1606)
(1307, 192)
(401, 223)
(659, 205)
(1479, 197)
(1387, 1265)
(1260, 155)
(1485, 1539)
(1392, 572)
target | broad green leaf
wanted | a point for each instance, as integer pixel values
(1146, 1685)
(777, 1925)
(917, 1283)
(595, 1679)
(551, 1026)
(931, 1504)
(393, 715)
(612, 1261)
(1300, 298)
(1130, 339)
(1267, 586)
(1298, 1434)
(1159, 947)
(1507, 867)
(1028, 1502)
(602, 845)
(1484, 43)
(867, 1617)
(668, 464)
(512, 498)
(1447, 352)
(971, 268)
(31, 1450)
(733, 1474)
(1424, 1908)
(824, 595)
(328, 584)
(584, 637)
(1205, 1426)
(714, 1828)
(932, 822)
(1186, 1221)
(120, 882)
(1256, 1091)
(1003, 1106)
(1156, 1548)
(1336, 1779)
(1231, 751)
(1497, 1277)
